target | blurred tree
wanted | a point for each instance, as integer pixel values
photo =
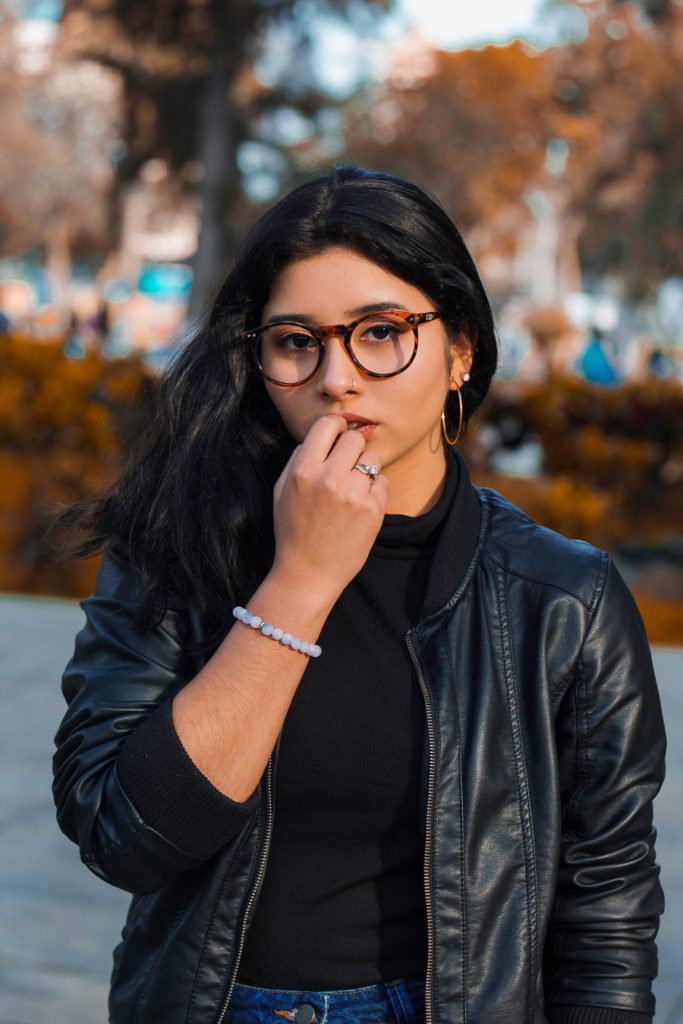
(622, 110)
(200, 78)
(59, 122)
(437, 128)
(658, 10)
(473, 129)
(510, 137)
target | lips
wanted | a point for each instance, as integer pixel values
(354, 422)
(366, 429)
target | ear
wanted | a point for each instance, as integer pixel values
(461, 351)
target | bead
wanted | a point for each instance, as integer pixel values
(268, 629)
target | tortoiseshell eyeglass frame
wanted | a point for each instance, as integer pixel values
(346, 330)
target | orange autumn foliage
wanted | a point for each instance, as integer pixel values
(663, 618)
(612, 470)
(62, 424)
(609, 474)
(592, 126)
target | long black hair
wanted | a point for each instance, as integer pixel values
(193, 506)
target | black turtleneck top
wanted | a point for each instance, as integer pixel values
(342, 902)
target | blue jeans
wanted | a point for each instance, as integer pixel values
(401, 1001)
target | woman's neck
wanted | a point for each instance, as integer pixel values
(414, 488)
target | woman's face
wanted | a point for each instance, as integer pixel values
(330, 288)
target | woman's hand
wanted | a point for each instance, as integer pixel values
(326, 515)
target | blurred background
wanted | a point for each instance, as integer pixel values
(140, 140)
(142, 137)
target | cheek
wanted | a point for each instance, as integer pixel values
(289, 406)
(425, 388)
(278, 396)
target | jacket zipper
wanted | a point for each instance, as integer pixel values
(429, 994)
(255, 889)
(429, 1010)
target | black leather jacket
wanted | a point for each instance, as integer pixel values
(546, 749)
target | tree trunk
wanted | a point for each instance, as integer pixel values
(220, 183)
(57, 249)
(570, 276)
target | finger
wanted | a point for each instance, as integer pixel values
(372, 458)
(379, 491)
(369, 458)
(347, 450)
(320, 438)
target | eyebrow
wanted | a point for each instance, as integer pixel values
(371, 307)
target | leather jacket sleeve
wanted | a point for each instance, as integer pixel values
(125, 790)
(601, 950)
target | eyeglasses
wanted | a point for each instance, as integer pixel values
(381, 344)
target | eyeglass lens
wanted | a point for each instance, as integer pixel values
(382, 343)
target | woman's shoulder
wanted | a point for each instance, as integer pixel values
(117, 576)
(520, 545)
(122, 614)
(120, 577)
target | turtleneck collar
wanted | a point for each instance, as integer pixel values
(448, 533)
(399, 530)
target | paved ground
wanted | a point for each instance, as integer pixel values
(58, 923)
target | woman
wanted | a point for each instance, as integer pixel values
(365, 743)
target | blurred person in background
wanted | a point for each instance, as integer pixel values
(17, 303)
(363, 741)
(660, 364)
(88, 322)
(596, 364)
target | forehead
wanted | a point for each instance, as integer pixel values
(336, 282)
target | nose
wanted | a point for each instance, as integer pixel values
(337, 370)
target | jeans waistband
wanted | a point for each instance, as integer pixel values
(401, 1001)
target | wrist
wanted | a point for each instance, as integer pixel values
(303, 590)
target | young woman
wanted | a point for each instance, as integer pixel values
(365, 743)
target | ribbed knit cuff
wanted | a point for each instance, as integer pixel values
(594, 1015)
(171, 794)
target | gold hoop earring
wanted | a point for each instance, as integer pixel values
(443, 423)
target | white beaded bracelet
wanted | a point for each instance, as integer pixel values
(275, 633)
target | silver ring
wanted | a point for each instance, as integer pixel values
(370, 471)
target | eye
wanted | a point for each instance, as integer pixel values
(294, 340)
(380, 332)
(380, 329)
